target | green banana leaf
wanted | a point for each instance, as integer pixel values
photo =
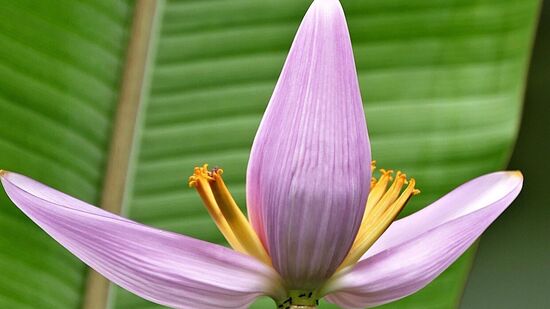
(442, 81)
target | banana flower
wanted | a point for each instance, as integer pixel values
(320, 224)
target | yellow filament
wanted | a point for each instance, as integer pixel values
(199, 180)
(236, 219)
(228, 217)
(373, 180)
(387, 199)
(378, 190)
(383, 206)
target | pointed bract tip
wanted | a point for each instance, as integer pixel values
(328, 5)
(327, 2)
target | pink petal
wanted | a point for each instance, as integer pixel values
(163, 267)
(309, 170)
(418, 248)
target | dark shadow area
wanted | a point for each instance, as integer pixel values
(512, 267)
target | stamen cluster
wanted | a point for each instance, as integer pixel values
(383, 205)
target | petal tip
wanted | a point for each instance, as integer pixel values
(516, 173)
(326, 3)
(327, 6)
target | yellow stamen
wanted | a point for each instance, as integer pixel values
(373, 182)
(378, 206)
(372, 169)
(372, 166)
(199, 180)
(378, 190)
(226, 214)
(236, 219)
(383, 206)
(2, 172)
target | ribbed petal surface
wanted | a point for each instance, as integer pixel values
(309, 170)
(416, 249)
(163, 267)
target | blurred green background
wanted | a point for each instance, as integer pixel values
(512, 265)
(443, 83)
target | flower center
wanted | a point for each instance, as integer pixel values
(383, 205)
(386, 199)
(223, 209)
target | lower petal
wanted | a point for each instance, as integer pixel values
(416, 249)
(160, 266)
